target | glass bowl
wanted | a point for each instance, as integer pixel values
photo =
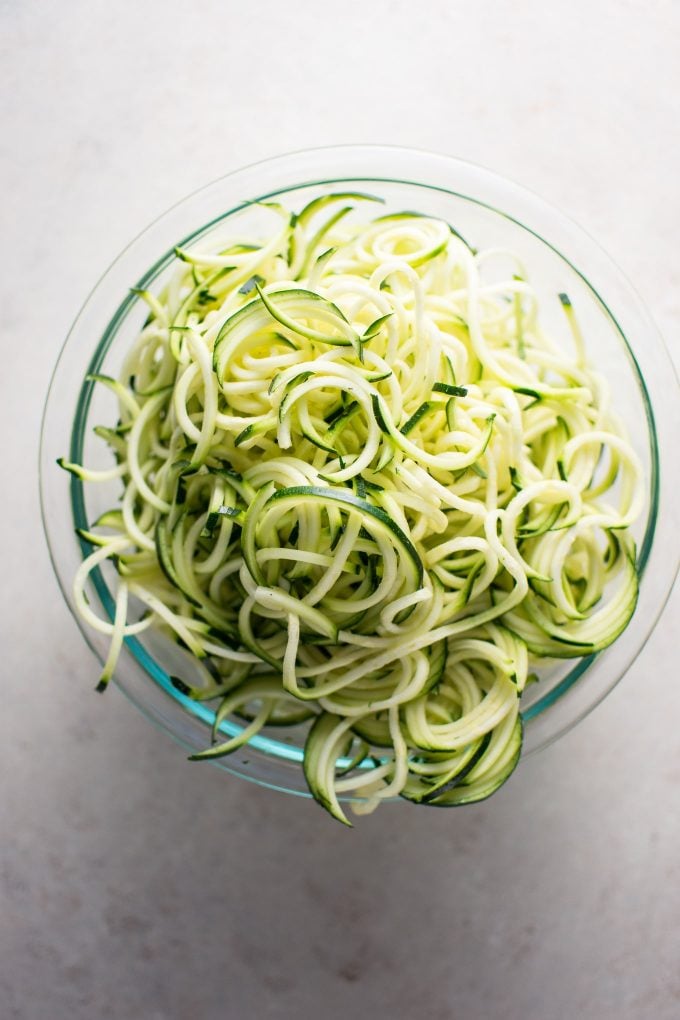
(488, 211)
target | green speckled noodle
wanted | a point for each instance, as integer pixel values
(369, 491)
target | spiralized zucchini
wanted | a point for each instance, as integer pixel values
(369, 492)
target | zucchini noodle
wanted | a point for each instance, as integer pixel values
(368, 492)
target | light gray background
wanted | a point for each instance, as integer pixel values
(138, 887)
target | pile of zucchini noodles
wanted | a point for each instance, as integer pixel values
(368, 492)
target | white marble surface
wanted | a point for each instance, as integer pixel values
(137, 887)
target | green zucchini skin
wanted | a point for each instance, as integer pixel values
(320, 779)
(467, 789)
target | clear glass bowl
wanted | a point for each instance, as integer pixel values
(489, 211)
